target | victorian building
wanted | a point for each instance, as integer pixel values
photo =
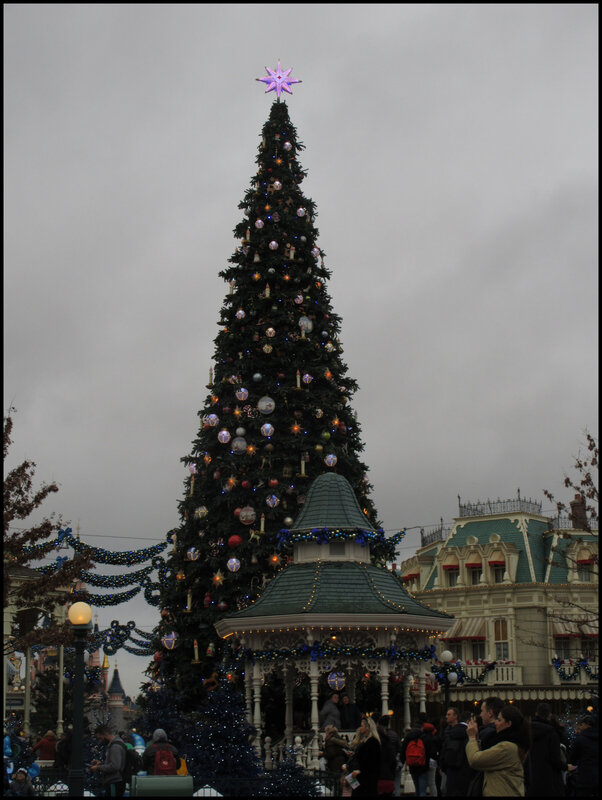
(523, 589)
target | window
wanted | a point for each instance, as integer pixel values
(498, 574)
(478, 650)
(475, 576)
(589, 648)
(502, 650)
(585, 573)
(564, 649)
(337, 548)
(452, 577)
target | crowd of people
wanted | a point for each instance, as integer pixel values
(491, 752)
(121, 760)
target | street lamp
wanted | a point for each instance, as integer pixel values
(80, 616)
(449, 674)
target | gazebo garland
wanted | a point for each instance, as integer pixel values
(319, 651)
(326, 535)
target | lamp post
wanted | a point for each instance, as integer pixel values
(448, 676)
(80, 616)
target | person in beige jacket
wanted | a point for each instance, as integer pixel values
(502, 764)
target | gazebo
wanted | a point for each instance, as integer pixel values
(332, 611)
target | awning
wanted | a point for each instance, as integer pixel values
(410, 576)
(451, 562)
(473, 628)
(585, 556)
(466, 629)
(453, 632)
(563, 629)
(474, 560)
(497, 559)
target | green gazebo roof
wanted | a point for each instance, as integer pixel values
(331, 503)
(335, 587)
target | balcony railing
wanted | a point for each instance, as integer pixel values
(501, 674)
(498, 506)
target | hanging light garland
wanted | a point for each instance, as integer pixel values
(99, 554)
(320, 650)
(326, 535)
(576, 668)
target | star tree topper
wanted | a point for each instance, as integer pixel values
(278, 80)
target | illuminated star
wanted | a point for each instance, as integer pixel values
(278, 80)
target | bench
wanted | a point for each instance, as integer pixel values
(161, 786)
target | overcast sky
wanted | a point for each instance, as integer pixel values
(452, 154)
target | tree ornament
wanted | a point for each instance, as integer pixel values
(257, 377)
(210, 649)
(270, 333)
(170, 640)
(241, 431)
(267, 429)
(222, 605)
(247, 515)
(307, 378)
(211, 420)
(242, 393)
(224, 436)
(318, 413)
(273, 245)
(272, 500)
(201, 512)
(306, 324)
(330, 460)
(207, 600)
(233, 564)
(234, 541)
(192, 554)
(266, 405)
(259, 224)
(218, 577)
(239, 445)
(300, 212)
(240, 314)
(277, 186)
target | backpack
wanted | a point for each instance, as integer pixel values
(165, 762)
(133, 763)
(416, 753)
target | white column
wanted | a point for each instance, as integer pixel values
(249, 691)
(59, 722)
(27, 709)
(257, 704)
(406, 699)
(289, 683)
(422, 687)
(384, 687)
(314, 749)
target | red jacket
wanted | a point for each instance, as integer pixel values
(47, 748)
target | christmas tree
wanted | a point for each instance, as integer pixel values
(277, 414)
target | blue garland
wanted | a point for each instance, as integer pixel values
(98, 554)
(325, 535)
(580, 664)
(107, 599)
(319, 651)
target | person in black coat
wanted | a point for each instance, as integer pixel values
(351, 716)
(389, 749)
(419, 773)
(452, 759)
(543, 765)
(365, 762)
(584, 757)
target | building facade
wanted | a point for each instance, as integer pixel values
(523, 589)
